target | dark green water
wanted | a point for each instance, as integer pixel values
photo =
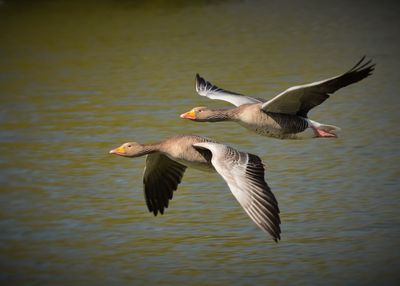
(79, 79)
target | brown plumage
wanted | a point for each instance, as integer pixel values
(286, 115)
(167, 161)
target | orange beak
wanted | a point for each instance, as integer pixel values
(118, 151)
(189, 115)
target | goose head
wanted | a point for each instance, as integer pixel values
(130, 149)
(200, 113)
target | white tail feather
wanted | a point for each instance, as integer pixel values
(325, 127)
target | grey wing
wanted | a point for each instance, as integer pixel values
(244, 174)
(206, 88)
(299, 100)
(161, 178)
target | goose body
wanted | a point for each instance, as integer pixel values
(270, 124)
(243, 172)
(286, 115)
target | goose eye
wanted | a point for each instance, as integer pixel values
(129, 146)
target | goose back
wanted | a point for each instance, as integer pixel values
(180, 148)
(277, 125)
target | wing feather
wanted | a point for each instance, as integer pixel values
(299, 100)
(161, 178)
(244, 174)
(206, 88)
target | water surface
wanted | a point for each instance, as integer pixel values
(77, 79)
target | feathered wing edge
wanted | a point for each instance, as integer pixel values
(244, 174)
(358, 72)
(263, 209)
(161, 178)
(206, 88)
(301, 99)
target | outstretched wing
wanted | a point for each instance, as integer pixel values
(161, 178)
(298, 100)
(244, 174)
(206, 88)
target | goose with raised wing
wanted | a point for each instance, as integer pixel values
(167, 161)
(286, 115)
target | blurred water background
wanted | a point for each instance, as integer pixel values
(78, 78)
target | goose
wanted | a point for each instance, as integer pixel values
(286, 115)
(243, 172)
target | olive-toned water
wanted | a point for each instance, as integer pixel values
(77, 79)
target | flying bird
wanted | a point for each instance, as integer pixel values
(167, 161)
(286, 115)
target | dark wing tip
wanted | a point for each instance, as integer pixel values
(201, 83)
(360, 71)
(358, 63)
(273, 230)
(277, 235)
(255, 169)
(159, 186)
(198, 78)
(363, 66)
